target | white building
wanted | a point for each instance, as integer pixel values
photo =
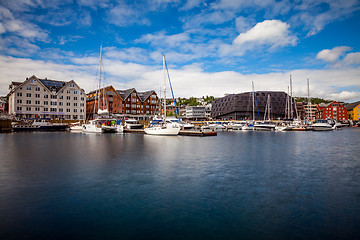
(196, 112)
(44, 98)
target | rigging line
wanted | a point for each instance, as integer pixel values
(172, 92)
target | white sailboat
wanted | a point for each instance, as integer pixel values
(250, 125)
(102, 123)
(164, 127)
(265, 125)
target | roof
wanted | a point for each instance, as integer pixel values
(144, 95)
(351, 106)
(125, 93)
(52, 84)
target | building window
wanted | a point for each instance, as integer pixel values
(46, 103)
(28, 95)
(37, 102)
(28, 108)
(53, 97)
(46, 109)
(75, 92)
(67, 97)
(19, 108)
(52, 103)
(37, 109)
(33, 80)
(67, 104)
(19, 94)
(60, 103)
(68, 91)
(37, 95)
(61, 110)
(75, 110)
(75, 104)
(28, 101)
(28, 88)
(37, 89)
(19, 101)
(61, 97)
(67, 110)
(46, 96)
(75, 98)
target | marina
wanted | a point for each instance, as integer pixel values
(237, 185)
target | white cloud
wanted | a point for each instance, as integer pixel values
(352, 58)
(124, 15)
(187, 81)
(161, 39)
(269, 32)
(332, 55)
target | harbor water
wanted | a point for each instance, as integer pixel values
(237, 185)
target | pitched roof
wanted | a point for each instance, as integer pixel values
(351, 106)
(125, 93)
(144, 95)
(52, 84)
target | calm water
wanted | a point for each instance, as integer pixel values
(238, 185)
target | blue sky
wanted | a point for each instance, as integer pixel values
(211, 47)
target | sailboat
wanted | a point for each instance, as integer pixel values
(265, 125)
(250, 125)
(163, 127)
(102, 123)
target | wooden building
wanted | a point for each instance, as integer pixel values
(333, 110)
(104, 98)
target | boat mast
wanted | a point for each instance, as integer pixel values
(309, 102)
(291, 99)
(253, 100)
(164, 70)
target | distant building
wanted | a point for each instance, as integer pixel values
(333, 110)
(240, 106)
(195, 112)
(104, 98)
(139, 103)
(354, 110)
(310, 111)
(45, 98)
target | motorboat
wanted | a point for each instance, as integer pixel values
(322, 125)
(163, 128)
(131, 123)
(264, 126)
(102, 125)
(40, 125)
(76, 127)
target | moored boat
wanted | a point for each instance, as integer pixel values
(40, 125)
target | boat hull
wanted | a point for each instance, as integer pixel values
(29, 128)
(162, 131)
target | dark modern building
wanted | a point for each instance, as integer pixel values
(240, 106)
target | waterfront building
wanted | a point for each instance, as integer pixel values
(139, 103)
(300, 110)
(333, 110)
(45, 98)
(310, 111)
(240, 106)
(354, 110)
(105, 98)
(195, 112)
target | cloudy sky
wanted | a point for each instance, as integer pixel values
(212, 47)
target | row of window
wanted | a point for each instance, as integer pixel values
(37, 102)
(37, 109)
(38, 89)
(37, 95)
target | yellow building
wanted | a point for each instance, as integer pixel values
(354, 110)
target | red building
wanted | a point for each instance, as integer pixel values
(107, 97)
(333, 110)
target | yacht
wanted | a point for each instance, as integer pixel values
(264, 126)
(131, 123)
(322, 125)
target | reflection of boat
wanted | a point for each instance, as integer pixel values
(163, 127)
(131, 123)
(322, 125)
(40, 125)
(76, 127)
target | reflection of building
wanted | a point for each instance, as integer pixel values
(105, 98)
(354, 110)
(139, 103)
(333, 110)
(240, 106)
(45, 98)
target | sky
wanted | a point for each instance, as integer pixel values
(212, 47)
